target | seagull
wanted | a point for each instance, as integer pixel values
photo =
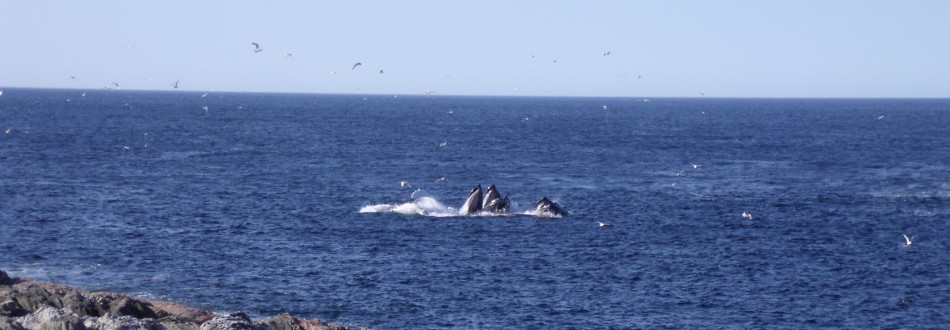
(356, 65)
(747, 215)
(881, 117)
(204, 95)
(444, 144)
(703, 93)
(601, 224)
(1, 92)
(696, 166)
(115, 84)
(605, 107)
(83, 94)
(257, 48)
(405, 184)
(380, 71)
(175, 84)
(442, 179)
(288, 56)
(908, 240)
(73, 77)
(7, 131)
(332, 73)
(607, 53)
(429, 92)
(205, 108)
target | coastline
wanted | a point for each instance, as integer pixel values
(30, 304)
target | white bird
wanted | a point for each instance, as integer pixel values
(908, 240)
(7, 131)
(204, 95)
(429, 92)
(442, 179)
(881, 117)
(696, 166)
(747, 215)
(444, 144)
(405, 184)
(257, 48)
(605, 107)
(175, 84)
(205, 108)
(601, 224)
(1, 92)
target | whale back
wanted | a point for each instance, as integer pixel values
(546, 207)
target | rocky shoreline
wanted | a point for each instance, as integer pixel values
(31, 304)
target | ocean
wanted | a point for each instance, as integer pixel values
(344, 207)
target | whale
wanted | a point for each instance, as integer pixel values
(473, 204)
(493, 202)
(545, 207)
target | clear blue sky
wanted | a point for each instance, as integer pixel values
(658, 48)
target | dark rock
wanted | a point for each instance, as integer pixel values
(11, 308)
(7, 323)
(5, 279)
(281, 322)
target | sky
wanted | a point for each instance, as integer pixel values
(766, 48)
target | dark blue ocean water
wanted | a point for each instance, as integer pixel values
(270, 203)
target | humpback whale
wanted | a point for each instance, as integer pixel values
(546, 207)
(474, 202)
(493, 201)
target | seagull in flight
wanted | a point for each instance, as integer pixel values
(908, 240)
(607, 53)
(356, 65)
(257, 47)
(601, 224)
(605, 107)
(405, 184)
(175, 84)
(747, 215)
(289, 55)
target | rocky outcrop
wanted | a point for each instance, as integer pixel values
(29, 304)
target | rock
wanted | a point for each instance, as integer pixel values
(35, 305)
(49, 318)
(235, 321)
(196, 315)
(116, 322)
